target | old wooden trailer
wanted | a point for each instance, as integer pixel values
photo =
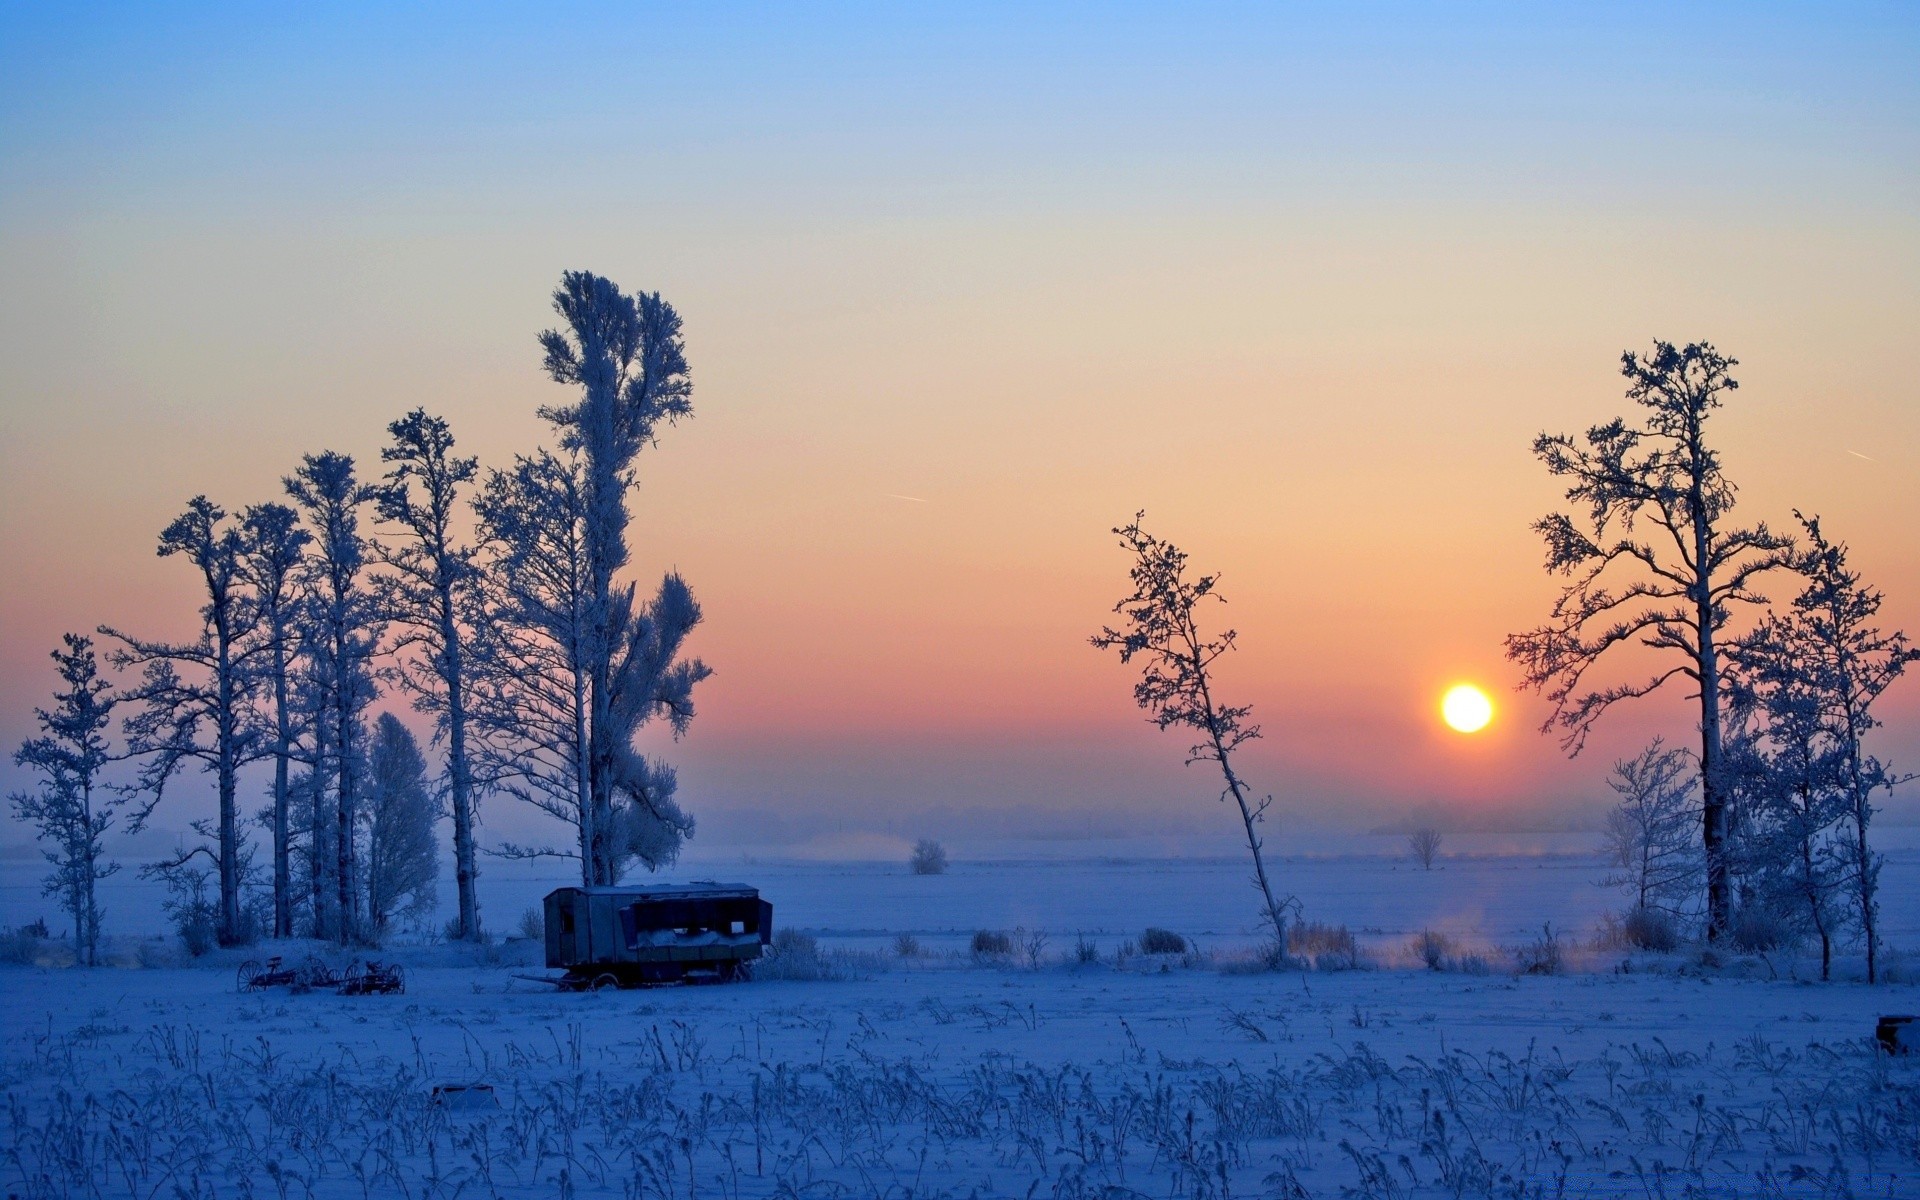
(663, 933)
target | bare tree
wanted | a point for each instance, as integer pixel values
(432, 595)
(1654, 562)
(1176, 689)
(68, 810)
(1648, 834)
(1424, 845)
(205, 716)
(402, 858)
(274, 547)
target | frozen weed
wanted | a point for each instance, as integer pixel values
(1541, 956)
(1085, 952)
(906, 946)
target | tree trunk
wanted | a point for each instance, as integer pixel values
(282, 835)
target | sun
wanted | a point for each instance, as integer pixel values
(1466, 708)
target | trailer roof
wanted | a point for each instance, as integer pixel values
(702, 887)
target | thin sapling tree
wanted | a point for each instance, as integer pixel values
(1654, 560)
(1162, 628)
(71, 809)
(1649, 834)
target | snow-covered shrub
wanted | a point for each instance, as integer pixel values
(1542, 955)
(929, 858)
(1162, 941)
(907, 946)
(991, 943)
(533, 925)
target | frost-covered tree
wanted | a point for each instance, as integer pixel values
(431, 594)
(1162, 627)
(1846, 663)
(625, 355)
(1654, 560)
(274, 546)
(341, 632)
(1649, 833)
(1793, 855)
(533, 686)
(402, 857)
(70, 809)
(196, 697)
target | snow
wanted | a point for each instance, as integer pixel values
(943, 1075)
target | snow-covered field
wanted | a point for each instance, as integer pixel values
(942, 1075)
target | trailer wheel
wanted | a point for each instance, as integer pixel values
(602, 982)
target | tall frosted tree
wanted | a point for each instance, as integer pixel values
(1654, 560)
(625, 355)
(431, 594)
(402, 858)
(343, 631)
(274, 546)
(1162, 627)
(196, 697)
(70, 809)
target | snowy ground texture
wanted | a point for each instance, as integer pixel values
(945, 1075)
(938, 1078)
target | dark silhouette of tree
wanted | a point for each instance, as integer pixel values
(1654, 561)
(431, 595)
(1162, 627)
(205, 715)
(69, 810)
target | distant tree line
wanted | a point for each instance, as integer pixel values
(1765, 826)
(493, 601)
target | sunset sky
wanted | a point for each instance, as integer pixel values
(963, 290)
